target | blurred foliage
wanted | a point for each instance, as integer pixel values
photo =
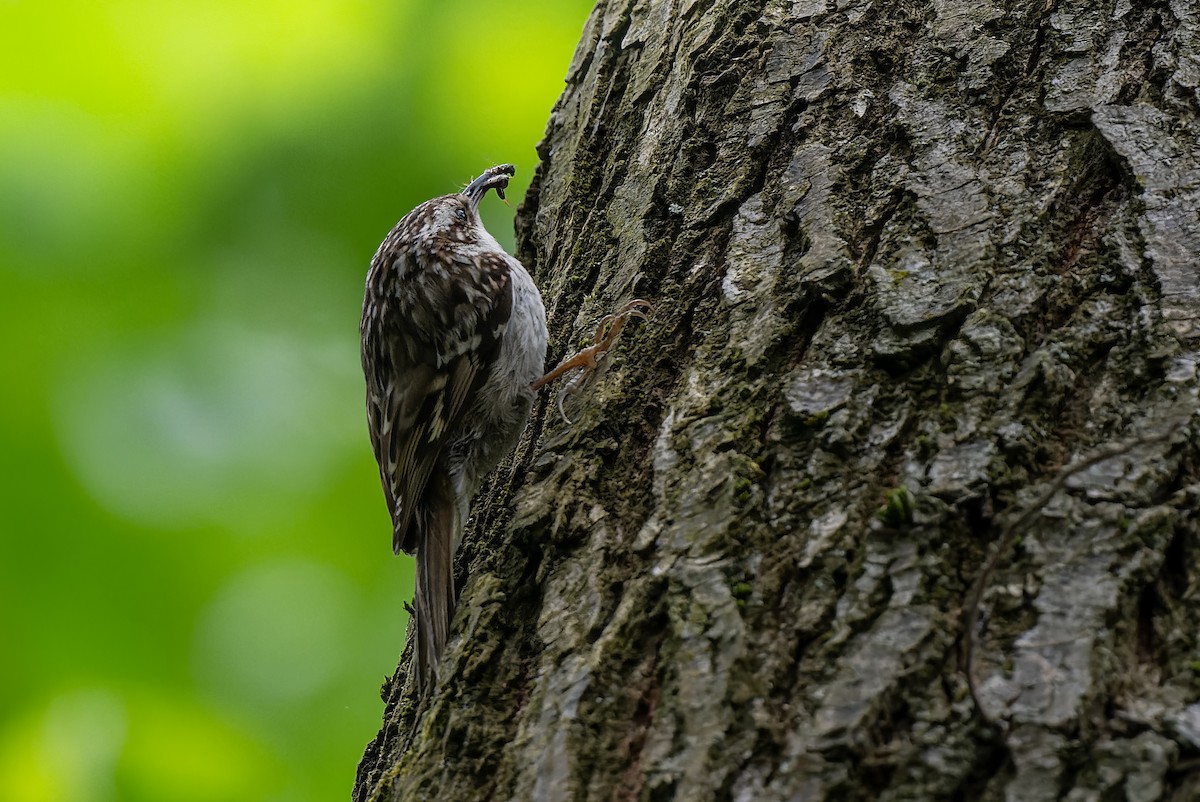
(197, 596)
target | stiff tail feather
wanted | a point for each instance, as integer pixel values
(436, 595)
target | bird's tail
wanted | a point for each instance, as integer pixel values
(436, 595)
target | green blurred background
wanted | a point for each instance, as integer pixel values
(197, 595)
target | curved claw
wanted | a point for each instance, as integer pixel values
(566, 390)
(610, 326)
(638, 307)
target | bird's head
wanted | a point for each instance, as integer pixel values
(456, 217)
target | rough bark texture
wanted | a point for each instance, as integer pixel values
(910, 262)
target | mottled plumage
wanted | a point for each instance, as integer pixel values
(453, 334)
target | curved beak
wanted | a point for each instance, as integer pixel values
(492, 178)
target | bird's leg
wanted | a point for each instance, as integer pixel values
(606, 336)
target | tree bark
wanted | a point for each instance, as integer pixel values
(895, 495)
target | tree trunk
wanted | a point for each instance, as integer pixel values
(895, 495)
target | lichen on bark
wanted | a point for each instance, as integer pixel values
(909, 261)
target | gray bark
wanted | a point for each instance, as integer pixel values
(926, 331)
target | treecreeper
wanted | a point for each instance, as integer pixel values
(453, 350)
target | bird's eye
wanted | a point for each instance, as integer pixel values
(461, 214)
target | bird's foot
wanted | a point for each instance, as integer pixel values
(607, 333)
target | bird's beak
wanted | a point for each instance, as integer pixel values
(492, 178)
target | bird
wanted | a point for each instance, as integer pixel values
(454, 340)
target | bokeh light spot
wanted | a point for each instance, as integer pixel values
(275, 633)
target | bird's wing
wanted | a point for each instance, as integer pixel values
(425, 355)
